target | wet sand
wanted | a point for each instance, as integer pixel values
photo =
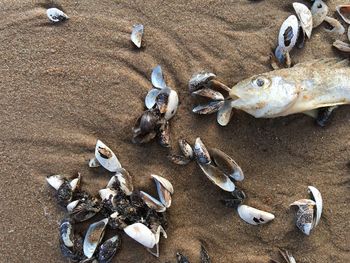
(65, 86)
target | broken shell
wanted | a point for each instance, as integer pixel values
(94, 236)
(254, 216)
(305, 17)
(55, 180)
(155, 250)
(226, 164)
(71, 245)
(150, 99)
(106, 157)
(107, 193)
(305, 215)
(157, 78)
(164, 135)
(108, 249)
(344, 12)
(288, 33)
(152, 203)
(319, 11)
(136, 35)
(93, 163)
(75, 183)
(173, 103)
(66, 233)
(164, 188)
(317, 197)
(198, 80)
(186, 148)
(200, 152)
(55, 15)
(224, 114)
(336, 26)
(238, 196)
(125, 181)
(142, 234)
(211, 107)
(204, 255)
(342, 46)
(83, 209)
(209, 93)
(217, 177)
(178, 159)
(64, 194)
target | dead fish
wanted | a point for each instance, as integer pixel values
(304, 87)
(55, 15)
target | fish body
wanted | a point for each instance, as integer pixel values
(302, 88)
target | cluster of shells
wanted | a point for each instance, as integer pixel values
(124, 209)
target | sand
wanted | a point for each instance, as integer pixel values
(63, 87)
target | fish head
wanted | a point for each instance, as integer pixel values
(264, 96)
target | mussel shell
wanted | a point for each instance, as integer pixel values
(141, 234)
(173, 103)
(209, 108)
(55, 15)
(317, 197)
(209, 93)
(140, 138)
(342, 46)
(64, 194)
(106, 157)
(55, 180)
(178, 159)
(164, 135)
(93, 237)
(152, 202)
(108, 249)
(305, 215)
(319, 11)
(200, 152)
(198, 80)
(336, 26)
(204, 255)
(164, 188)
(224, 114)
(238, 197)
(136, 35)
(288, 33)
(305, 17)
(85, 209)
(181, 258)
(226, 164)
(148, 122)
(125, 181)
(215, 175)
(344, 12)
(254, 216)
(66, 233)
(150, 99)
(157, 78)
(186, 148)
(162, 101)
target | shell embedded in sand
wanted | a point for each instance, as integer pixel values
(342, 46)
(94, 236)
(305, 215)
(254, 216)
(106, 157)
(305, 17)
(344, 12)
(319, 11)
(137, 34)
(288, 33)
(55, 15)
(317, 197)
(337, 27)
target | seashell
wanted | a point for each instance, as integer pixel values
(238, 196)
(305, 17)
(162, 100)
(137, 34)
(107, 193)
(204, 255)
(344, 12)
(217, 177)
(186, 149)
(75, 183)
(64, 194)
(199, 80)
(305, 215)
(288, 33)
(147, 122)
(181, 258)
(150, 99)
(336, 26)
(140, 138)
(209, 93)
(108, 249)
(317, 197)
(226, 164)
(55, 180)
(106, 157)
(93, 163)
(71, 245)
(319, 11)
(173, 103)
(152, 203)
(254, 216)
(164, 135)
(157, 78)
(83, 209)
(164, 188)
(348, 33)
(324, 115)
(200, 152)
(288, 258)
(55, 15)
(157, 236)
(66, 233)
(211, 107)
(125, 181)
(94, 236)
(141, 234)
(224, 114)
(300, 44)
(178, 159)
(342, 46)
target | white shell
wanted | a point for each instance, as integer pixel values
(150, 99)
(337, 26)
(136, 35)
(319, 11)
(224, 114)
(164, 182)
(75, 182)
(254, 216)
(217, 177)
(106, 193)
(142, 234)
(153, 203)
(342, 46)
(163, 185)
(343, 13)
(55, 180)
(157, 78)
(112, 164)
(291, 21)
(319, 203)
(125, 183)
(72, 205)
(55, 15)
(94, 163)
(305, 17)
(93, 237)
(173, 103)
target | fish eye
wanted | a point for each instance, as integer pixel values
(260, 82)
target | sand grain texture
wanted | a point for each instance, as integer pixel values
(64, 86)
